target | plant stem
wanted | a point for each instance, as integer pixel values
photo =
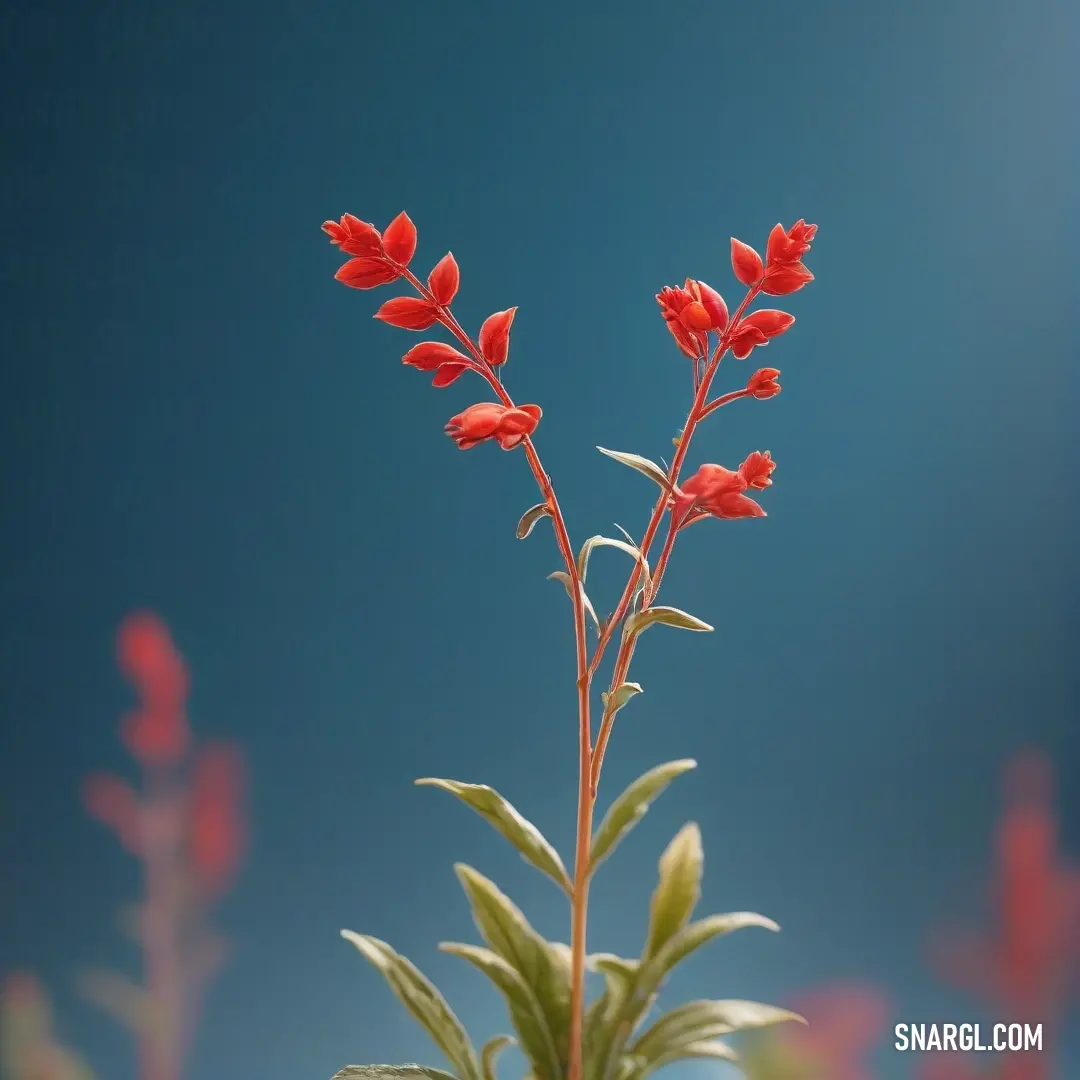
(579, 899)
(698, 411)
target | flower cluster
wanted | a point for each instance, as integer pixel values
(561, 1040)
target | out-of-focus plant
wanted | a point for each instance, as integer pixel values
(186, 828)
(1026, 969)
(543, 982)
(185, 824)
(29, 1048)
(846, 1022)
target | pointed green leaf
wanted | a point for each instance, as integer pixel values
(668, 616)
(642, 464)
(602, 1018)
(508, 933)
(631, 549)
(497, 811)
(391, 1072)
(630, 807)
(704, 930)
(529, 519)
(421, 998)
(528, 1018)
(564, 577)
(704, 1049)
(679, 888)
(491, 1050)
(698, 1021)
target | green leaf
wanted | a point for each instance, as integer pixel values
(679, 888)
(623, 693)
(703, 1049)
(564, 577)
(602, 1018)
(491, 1050)
(698, 1021)
(525, 1012)
(529, 519)
(631, 549)
(642, 464)
(509, 934)
(497, 811)
(631, 806)
(668, 616)
(421, 998)
(704, 930)
(391, 1072)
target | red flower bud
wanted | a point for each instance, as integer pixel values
(147, 656)
(490, 420)
(785, 278)
(673, 302)
(695, 317)
(494, 340)
(746, 262)
(399, 240)
(769, 321)
(354, 237)
(217, 833)
(449, 373)
(366, 273)
(763, 384)
(443, 281)
(408, 313)
(713, 303)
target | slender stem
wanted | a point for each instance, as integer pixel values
(698, 410)
(580, 896)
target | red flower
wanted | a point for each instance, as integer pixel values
(494, 340)
(746, 263)
(399, 240)
(147, 656)
(216, 823)
(490, 420)
(367, 273)
(757, 328)
(719, 491)
(763, 384)
(408, 313)
(444, 280)
(691, 312)
(785, 272)
(447, 363)
(790, 246)
(354, 237)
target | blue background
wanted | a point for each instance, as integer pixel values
(197, 419)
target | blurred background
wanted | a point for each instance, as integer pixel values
(199, 422)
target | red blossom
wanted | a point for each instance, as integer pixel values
(763, 384)
(399, 240)
(490, 420)
(789, 246)
(367, 273)
(354, 237)
(673, 301)
(720, 492)
(147, 656)
(444, 280)
(114, 803)
(408, 313)
(494, 340)
(746, 263)
(217, 832)
(785, 279)
(691, 312)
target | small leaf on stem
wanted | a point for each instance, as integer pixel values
(491, 1050)
(564, 577)
(631, 549)
(498, 812)
(678, 890)
(668, 616)
(642, 464)
(391, 1072)
(529, 519)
